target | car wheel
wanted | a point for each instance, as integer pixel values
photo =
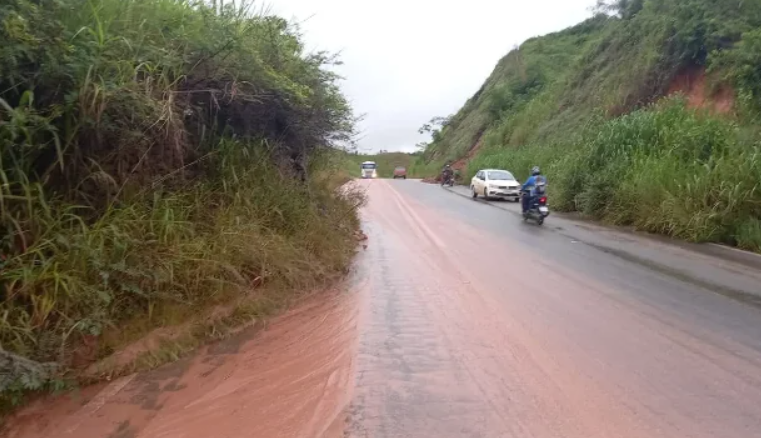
(404, 177)
(473, 190)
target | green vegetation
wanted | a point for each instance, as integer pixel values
(159, 158)
(587, 105)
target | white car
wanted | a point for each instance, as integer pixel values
(495, 183)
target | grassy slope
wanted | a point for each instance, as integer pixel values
(519, 78)
(580, 103)
(159, 158)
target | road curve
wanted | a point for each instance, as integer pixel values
(479, 325)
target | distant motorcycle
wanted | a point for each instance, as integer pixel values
(447, 180)
(538, 209)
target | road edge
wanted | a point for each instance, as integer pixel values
(746, 258)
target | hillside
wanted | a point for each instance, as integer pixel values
(160, 161)
(646, 114)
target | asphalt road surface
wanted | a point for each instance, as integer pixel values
(463, 321)
(480, 325)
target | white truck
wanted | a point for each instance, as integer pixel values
(369, 169)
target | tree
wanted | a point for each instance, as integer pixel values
(741, 65)
(625, 9)
(435, 124)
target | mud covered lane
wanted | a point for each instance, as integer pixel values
(293, 380)
(480, 326)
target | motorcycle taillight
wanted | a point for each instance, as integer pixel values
(543, 200)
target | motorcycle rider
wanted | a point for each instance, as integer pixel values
(446, 172)
(528, 188)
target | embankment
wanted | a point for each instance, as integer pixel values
(165, 165)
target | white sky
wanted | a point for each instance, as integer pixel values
(408, 61)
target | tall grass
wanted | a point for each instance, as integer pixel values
(167, 256)
(419, 168)
(158, 157)
(665, 169)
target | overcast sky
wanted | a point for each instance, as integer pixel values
(408, 61)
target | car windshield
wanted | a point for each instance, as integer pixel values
(500, 175)
(368, 166)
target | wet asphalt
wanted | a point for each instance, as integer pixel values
(480, 325)
(461, 320)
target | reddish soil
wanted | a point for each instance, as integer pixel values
(463, 162)
(275, 384)
(692, 83)
(460, 164)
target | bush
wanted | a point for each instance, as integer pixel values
(664, 169)
(157, 157)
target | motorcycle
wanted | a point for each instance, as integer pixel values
(538, 209)
(447, 179)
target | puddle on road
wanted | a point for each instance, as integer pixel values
(293, 379)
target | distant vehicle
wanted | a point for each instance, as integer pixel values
(400, 172)
(495, 183)
(369, 169)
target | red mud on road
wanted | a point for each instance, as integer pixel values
(291, 380)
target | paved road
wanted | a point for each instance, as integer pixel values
(479, 325)
(463, 321)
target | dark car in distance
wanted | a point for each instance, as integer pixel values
(400, 172)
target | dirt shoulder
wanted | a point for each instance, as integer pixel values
(289, 378)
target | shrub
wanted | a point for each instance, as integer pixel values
(665, 169)
(157, 157)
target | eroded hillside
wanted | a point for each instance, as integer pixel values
(646, 115)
